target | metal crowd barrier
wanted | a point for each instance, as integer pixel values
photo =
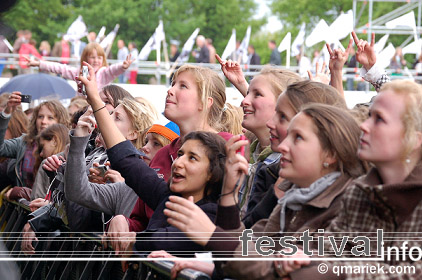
(162, 68)
(63, 244)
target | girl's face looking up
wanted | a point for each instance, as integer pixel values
(190, 170)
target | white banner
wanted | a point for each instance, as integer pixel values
(242, 51)
(317, 35)
(110, 37)
(384, 57)
(342, 26)
(76, 30)
(231, 46)
(153, 42)
(379, 46)
(100, 34)
(299, 40)
(285, 44)
(187, 47)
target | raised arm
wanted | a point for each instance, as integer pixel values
(9, 148)
(337, 60)
(67, 72)
(111, 134)
(234, 74)
(366, 56)
(365, 53)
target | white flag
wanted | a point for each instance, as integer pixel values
(379, 46)
(384, 57)
(342, 26)
(242, 51)
(153, 42)
(77, 30)
(110, 37)
(187, 47)
(100, 34)
(285, 44)
(299, 40)
(231, 45)
(319, 34)
(414, 47)
(405, 20)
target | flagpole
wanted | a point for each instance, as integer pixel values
(173, 67)
(9, 46)
(288, 57)
(166, 54)
(166, 57)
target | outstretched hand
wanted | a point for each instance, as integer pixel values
(31, 62)
(365, 53)
(234, 74)
(128, 61)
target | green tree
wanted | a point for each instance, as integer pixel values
(137, 19)
(45, 19)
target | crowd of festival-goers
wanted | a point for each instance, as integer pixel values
(292, 159)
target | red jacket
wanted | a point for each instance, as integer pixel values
(27, 49)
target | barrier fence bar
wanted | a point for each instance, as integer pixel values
(13, 216)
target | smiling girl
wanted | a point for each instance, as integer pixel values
(258, 107)
(196, 173)
(92, 54)
(195, 102)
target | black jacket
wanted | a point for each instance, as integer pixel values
(263, 199)
(154, 191)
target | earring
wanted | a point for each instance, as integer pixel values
(408, 160)
(325, 164)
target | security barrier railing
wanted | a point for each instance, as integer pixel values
(54, 251)
(162, 68)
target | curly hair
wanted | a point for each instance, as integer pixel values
(412, 116)
(60, 114)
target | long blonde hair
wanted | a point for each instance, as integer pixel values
(209, 85)
(140, 117)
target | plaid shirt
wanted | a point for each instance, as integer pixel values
(376, 76)
(367, 206)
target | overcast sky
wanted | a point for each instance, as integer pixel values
(264, 11)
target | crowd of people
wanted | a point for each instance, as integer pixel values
(293, 159)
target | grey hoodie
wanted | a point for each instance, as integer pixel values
(110, 198)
